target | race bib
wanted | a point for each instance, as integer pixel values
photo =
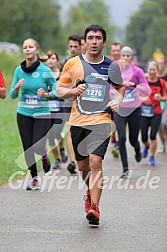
(147, 111)
(94, 92)
(54, 105)
(31, 101)
(129, 96)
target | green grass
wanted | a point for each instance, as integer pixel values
(10, 143)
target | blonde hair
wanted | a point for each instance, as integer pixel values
(51, 52)
(35, 42)
(152, 62)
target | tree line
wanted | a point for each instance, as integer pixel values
(147, 28)
(40, 19)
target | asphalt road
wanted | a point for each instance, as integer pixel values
(133, 212)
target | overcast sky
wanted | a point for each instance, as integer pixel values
(120, 9)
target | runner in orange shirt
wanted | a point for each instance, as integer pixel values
(90, 117)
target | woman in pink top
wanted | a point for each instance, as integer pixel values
(129, 112)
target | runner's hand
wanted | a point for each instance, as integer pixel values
(79, 90)
(113, 105)
(41, 93)
(19, 84)
(128, 84)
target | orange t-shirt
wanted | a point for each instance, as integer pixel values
(73, 71)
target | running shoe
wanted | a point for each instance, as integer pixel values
(138, 156)
(64, 157)
(162, 149)
(115, 152)
(151, 161)
(93, 215)
(125, 174)
(71, 167)
(57, 164)
(33, 185)
(46, 163)
(87, 200)
(145, 152)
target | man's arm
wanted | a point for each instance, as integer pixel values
(66, 88)
(63, 92)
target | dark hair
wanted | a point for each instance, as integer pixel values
(75, 38)
(95, 28)
(116, 44)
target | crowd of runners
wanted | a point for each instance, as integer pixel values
(97, 100)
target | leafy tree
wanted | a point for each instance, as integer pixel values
(88, 12)
(156, 37)
(38, 19)
(146, 29)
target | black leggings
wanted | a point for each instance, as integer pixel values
(33, 136)
(134, 123)
(152, 122)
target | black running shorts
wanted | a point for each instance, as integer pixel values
(90, 139)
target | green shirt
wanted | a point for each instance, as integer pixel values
(30, 103)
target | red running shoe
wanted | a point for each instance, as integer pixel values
(93, 215)
(87, 200)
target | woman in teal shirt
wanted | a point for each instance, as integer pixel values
(32, 79)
